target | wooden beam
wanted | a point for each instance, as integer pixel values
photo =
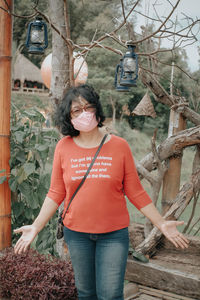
(173, 146)
(5, 97)
(153, 275)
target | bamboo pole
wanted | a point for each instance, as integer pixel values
(5, 99)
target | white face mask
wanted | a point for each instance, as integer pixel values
(86, 121)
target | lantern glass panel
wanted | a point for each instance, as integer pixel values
(37, 35)
(129, 65)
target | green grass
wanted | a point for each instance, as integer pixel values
(26, 101)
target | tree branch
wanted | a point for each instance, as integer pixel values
(163, 97)
(8, 10)
(159, 28)
(180, 203)
(173, 146)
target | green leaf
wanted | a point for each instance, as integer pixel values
(28, 213)
(13, 184)
(18, 208)
(30, 113)
(41, 148)
(46, 180)
(19, 136)
(35, 115)
(33, 200)
(21, 156)
(14, 171)
(25, 188)
(29, 168)
(2, 171)
(2, 179)
(43, 237)
(21, 175)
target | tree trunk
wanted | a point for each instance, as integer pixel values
(60, 56)
(5, 97)
(60, 70)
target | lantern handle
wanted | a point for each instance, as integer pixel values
(116, 74)
(28, 34)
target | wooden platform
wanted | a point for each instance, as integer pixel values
(171, 270)
(140, 292)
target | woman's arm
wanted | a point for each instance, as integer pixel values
(48, 209)
(29, 232)
(168, 228)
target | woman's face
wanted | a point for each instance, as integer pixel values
(80, 105)
(83, 115)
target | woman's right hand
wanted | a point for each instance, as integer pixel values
(29, 232)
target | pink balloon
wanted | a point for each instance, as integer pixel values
(80, 70)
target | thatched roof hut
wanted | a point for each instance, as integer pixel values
(24, 69)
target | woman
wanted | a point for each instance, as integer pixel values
(96, 224)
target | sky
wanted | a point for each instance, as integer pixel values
(189, 7)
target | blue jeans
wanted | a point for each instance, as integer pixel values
(99, 263)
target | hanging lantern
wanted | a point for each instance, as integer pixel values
(129, 68)
(37, 38)
(118, 73)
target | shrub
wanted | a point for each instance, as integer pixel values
(35, 276)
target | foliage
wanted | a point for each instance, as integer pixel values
(31, 150)
(35, 276)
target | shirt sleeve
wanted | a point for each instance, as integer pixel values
(57, 190)
(132, 185)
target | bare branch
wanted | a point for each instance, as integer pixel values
(8, 10)
(197, 221)
(180, 203)
(162, 25)
(126, 17)
(95, 43)
(192, 213)
(173, 146)
(68, 41)
(155, 180)
(163, 97)
(123, 11)
(6, 3)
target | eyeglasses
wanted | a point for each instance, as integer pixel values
(78, 110)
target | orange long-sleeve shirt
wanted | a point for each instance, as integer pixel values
(100, 204)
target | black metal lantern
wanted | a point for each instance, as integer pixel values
(37, 38)
(118, 87)
(129, 68)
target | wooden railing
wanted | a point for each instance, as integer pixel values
(30, 90)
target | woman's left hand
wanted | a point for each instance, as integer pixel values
(168, 228)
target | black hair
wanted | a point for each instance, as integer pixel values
(62, 116)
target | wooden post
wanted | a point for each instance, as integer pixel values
(5, 98)
(171, 180)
